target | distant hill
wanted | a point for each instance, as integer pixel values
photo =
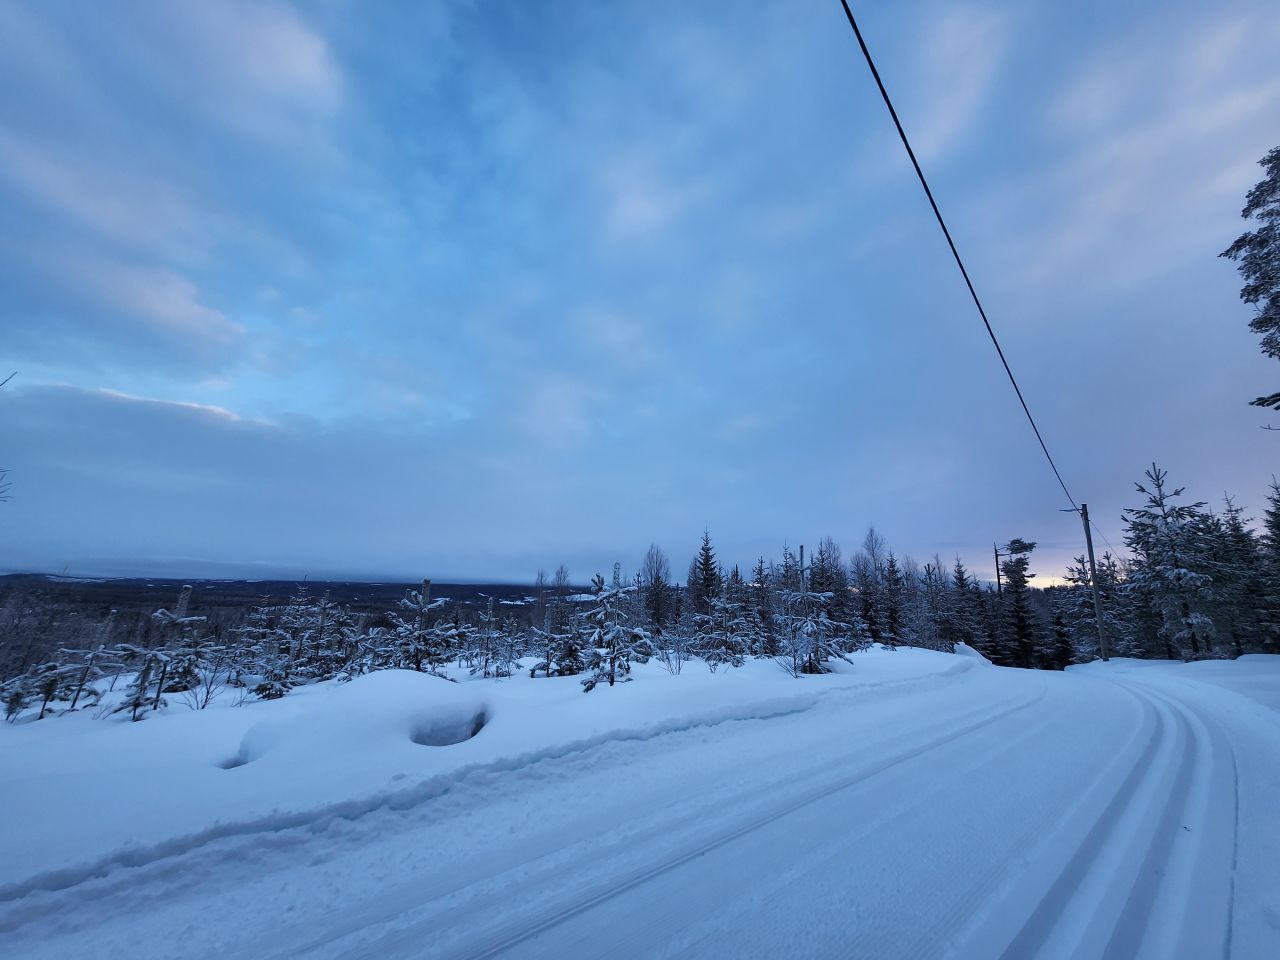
(149, 593)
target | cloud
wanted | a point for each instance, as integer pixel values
(1150, 136)
(205, 409)
(557, 412)
(103, 474)
(642, 205)
(75, 306)
(258, 67)
(128, 137)
(137, 211)
(957, 61)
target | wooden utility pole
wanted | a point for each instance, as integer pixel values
(995, 549)
(1093, 581)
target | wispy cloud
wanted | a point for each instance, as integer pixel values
(118, 205)
(957, 61)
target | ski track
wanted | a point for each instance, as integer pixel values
(692, 820)
(507, 940)
(169, 861)
(144, 855)
(1115, 835)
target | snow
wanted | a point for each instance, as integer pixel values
(964, 650)
(379, 712)
(180, 779)
(910, 804)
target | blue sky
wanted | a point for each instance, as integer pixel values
(466, 289)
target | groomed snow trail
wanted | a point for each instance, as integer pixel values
(990, 813)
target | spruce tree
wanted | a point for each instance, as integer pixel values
(1022, 628)
(1270, 540)
(1244, 612)
(610, 642)
(867, 576)
(1170, 568)
(1257, 255)
(827, 574)
(705, 581)
(1063, 650)
(423, 645)
(893, 596)
(961, 621)
(762, 606)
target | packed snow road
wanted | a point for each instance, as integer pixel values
(1121, 811)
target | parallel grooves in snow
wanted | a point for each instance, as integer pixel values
(691, 818)
(432, 788)
(1048, 913)
(1127, 883)
(983, 887)
(395, 799)
(1192, 848)
(505, 940)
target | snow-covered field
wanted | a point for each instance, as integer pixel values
(914, 804)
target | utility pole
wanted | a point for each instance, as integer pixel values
(1093, 581)
(995, 549)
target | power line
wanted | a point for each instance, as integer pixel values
(954, 252)
(1102, 535)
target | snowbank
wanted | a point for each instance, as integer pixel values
(964, 650)
(93, 794)
(379, 711)
(1255, 675)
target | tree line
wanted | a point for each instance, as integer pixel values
(1196, 584)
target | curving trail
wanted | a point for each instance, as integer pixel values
(1117, 813)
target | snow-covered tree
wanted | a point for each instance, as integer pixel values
(1062, 650)
(761, 598)
(827, 574)
(1078, 611)
(1023, 630)
(1170, 572)
(934, 622)
(144, 691)
(610, 642)
(892, 614)
(1245, 609)
(704, 580)
(725, 640)
(1257, 255)
(423, 645)
(958, 616)
(674, 646)
(263, 653)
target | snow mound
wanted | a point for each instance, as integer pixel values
(964, 650)
(369, 713)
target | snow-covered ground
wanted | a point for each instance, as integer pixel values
(914, 804)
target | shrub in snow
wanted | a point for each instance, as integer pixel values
(559, 652)
(610, 643)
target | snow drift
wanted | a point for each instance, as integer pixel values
(370, 712)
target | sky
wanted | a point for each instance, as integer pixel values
(463, 290)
